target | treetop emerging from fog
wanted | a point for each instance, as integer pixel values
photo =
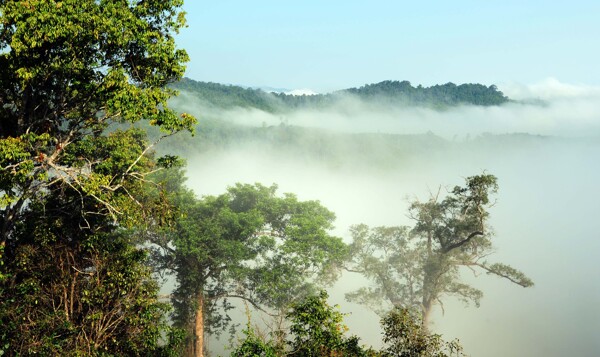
(386, 93)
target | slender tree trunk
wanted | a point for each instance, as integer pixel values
(199, 327)
(426, 315)
(429, 284)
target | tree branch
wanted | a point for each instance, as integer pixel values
(462, 242)
(247, 299)
(353, 270)
(503, 271)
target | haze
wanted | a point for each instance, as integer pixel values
(545, 217)
(543, 147)
(548, 108)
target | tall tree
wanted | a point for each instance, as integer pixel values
(68, 70)
(69, 181)
(416, 267)
(246, 244)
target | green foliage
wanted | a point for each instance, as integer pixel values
(386, 92)
(316, 329)
(405, 336)
(255, 346)
(387, 257)
(70, 69)
(227, 96)
(247, 244)
(416, 267)
(71, 292)
(439, 96)
(71, 282)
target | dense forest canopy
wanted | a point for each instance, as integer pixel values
(386, 92)
(73, 279)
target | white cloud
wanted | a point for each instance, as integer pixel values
(574, 117)
(304, 91)
(566, 110)
(549, 89)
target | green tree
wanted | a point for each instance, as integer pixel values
(416, 267)
(246, 244)
(70, 181)
(255, 345)
(405, 336)
(316, 329)
(68, 70)
(73, 292)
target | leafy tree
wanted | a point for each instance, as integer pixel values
(416, 267)
(405, 336)
(254, 345)
(246, 244)
(68, 70)
(70, 182)
(73, 292)
(316, 329)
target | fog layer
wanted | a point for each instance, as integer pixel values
(547, 108)
(545, 219)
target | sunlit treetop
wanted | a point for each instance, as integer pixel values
(68, 70)
(73, 65)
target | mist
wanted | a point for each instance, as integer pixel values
(546, 108)
(545, 219)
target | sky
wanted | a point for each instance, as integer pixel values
(330, 45)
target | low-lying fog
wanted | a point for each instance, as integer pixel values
(546, 217)
(548, 108)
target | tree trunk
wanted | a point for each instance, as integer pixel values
(199, 327)
(426, 314)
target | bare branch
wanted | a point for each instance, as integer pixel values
(462, 242)
(144, 153)
(244, 298)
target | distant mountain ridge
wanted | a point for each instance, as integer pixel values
(386, 92)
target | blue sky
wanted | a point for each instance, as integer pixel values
(327, 45)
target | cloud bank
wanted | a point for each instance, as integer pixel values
(547, 108)
(545, 218)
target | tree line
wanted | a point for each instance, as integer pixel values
(90, 214)
(400, 93)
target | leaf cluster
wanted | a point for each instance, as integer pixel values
(69, 70)
(316, 329)
(405, 336)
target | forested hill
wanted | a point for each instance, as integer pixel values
(386, 92)
(447, 94)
